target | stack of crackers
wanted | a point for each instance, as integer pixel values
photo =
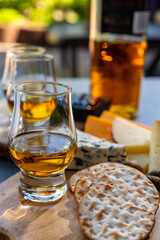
(115, 202)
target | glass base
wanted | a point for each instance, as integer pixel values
(42, 190)
(126, 111)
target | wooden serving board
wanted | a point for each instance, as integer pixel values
(58, 222)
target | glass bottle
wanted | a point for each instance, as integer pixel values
(117, 43)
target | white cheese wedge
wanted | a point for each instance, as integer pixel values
(140, 159)
(92, 150)
(129, 133)
(154, 155)
(136, 138)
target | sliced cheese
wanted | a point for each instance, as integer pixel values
(111, 116)
(136, 149)
(141, 160)
(136, 137)
(130, 133)
(98, 127)
(154, 155)
(108, 115)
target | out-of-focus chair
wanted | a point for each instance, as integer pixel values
(34, 36)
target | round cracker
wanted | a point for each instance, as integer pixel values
(116, 173)
(74, 178)
(82, 186)
(87, 178)
(134, 179)
(95, 169)
(115, 212)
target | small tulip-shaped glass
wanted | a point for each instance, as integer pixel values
(25, 67)
(26, 50)
(42, 139)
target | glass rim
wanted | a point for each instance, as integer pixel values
(28, 57)
(38, 94)
(21, 47)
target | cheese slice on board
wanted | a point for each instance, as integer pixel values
(129, 133)
(98, 127)
(108, 115)
(111, 116)
(154, 155)
(136, 149)
(140, 160)
(92, 150)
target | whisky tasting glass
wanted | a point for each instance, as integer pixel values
(28, 67)
(42, 139)
(29, 50)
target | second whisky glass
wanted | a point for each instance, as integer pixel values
(25, 68)
(27, 50)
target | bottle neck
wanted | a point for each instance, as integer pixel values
(120, 17)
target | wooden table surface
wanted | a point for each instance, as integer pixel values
(59, 222)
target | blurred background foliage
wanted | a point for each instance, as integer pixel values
(43, 12)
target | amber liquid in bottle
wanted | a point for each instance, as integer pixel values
(116, 72)
(42, 154)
